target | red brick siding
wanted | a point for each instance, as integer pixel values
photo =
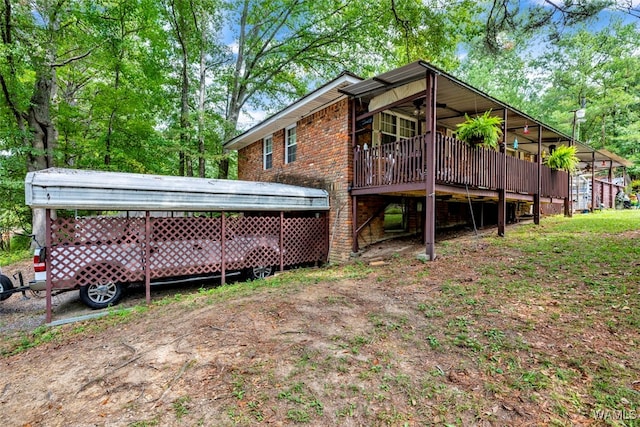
(368, 207)
(323, 160)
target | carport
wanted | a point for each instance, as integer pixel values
(126, 228)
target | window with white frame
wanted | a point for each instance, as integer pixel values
(393, 128)
(290, 144)
(406, 128)
(267, 152)
(388, 128)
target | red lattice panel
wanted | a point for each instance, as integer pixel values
(252, 241)
(185, 246)
(305, 240)
(97, 249)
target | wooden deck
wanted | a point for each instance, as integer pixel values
(401, 166)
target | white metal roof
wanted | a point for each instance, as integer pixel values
(310, 103)
(95, 190)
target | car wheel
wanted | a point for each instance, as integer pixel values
(5, 285)
(261, 272)
(101, 295)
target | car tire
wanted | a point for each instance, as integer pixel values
(101, 295)
(260, 272)
(5, 285)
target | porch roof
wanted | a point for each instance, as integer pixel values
(456, 98)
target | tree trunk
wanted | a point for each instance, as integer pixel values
(112, 116)
(39, 121)
(43, 141)
(201, 102)
(184, 110)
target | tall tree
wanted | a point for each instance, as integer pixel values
(194, 25)
(128, 84)
(508, 19)
(284, 46)
(35, 44)
(602, 68)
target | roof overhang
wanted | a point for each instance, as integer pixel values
(309, 104)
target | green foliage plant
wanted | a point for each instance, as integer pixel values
(483, 130)
(563, 158)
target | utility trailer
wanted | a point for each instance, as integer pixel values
(107, 230)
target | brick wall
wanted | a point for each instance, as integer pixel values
(323, 160)
(371, 208)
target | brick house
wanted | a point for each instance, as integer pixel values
(385, 148)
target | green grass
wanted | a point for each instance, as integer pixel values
(18, 250)
(181, 406)
(547, 316)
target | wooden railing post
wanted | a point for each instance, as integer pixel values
(536, 197)
(430, 182)
(502, 178)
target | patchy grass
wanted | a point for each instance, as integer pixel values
(540, 327)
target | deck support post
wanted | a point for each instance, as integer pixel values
(536, 196)
(502, 178)
(355, 247)
(430, 181)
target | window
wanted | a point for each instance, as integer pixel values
(406, 128)
(388, 127)
(394, 128)
(291, 145)
(267, 152)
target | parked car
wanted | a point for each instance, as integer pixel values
(101, 255)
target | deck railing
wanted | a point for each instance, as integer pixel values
(554, 183)
(460, 164)
(456, 163)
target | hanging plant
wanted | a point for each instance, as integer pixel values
(563, 158)
(484, 130)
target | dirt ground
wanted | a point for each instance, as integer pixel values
(293, 354)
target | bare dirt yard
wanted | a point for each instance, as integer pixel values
(385, 340)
